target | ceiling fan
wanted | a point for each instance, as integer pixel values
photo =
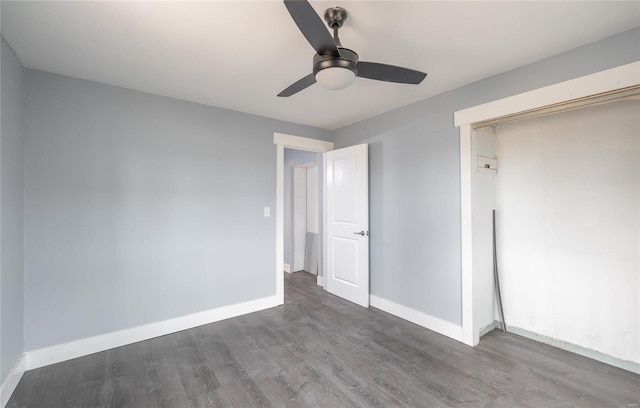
(336, 67)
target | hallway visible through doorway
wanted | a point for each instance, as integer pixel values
(302, 210)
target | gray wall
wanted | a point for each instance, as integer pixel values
(12, 135)
(292, 158)
(141, 208)
(415, 176)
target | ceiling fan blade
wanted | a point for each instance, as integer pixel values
(299, 85)
(312, 27)
(389, 73)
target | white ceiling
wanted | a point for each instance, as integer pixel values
(239, 54)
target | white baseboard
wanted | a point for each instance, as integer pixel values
(11, 382)
(320, 281)
(287, 268)
(486, 329)
(421, 319)
(632, 366)
(78, 348)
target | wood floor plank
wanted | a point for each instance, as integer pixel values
(320, 351)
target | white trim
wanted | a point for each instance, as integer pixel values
(565, 345)
(324, 221)
(287, 268)
(11, 382)
(470, 336)
(443, 327)
(576, 349)
(490, 327)
(78, 348)
(320, 281)
(280, 222)
(600, 82)
(625, 76)
(302, 143)
(281, 141)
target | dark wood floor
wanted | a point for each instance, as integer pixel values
(320, 351)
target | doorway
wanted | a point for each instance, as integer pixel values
(302, 210)
(344, 191)
(282, 142)
(476, 168)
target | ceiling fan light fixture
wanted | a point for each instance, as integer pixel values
(335, 77)
(336, 72)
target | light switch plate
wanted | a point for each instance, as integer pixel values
(267, 211)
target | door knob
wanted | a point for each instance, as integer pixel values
(363, 233)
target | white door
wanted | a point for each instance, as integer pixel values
(311, 248)
(312, 199)
(348, 223)
(299, 217)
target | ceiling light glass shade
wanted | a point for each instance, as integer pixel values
(335, 78)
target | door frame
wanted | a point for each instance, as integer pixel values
(538, 100)
(282, 141)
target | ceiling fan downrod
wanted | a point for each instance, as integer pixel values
(335, 18)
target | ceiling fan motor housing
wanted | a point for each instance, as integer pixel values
(347, 59)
